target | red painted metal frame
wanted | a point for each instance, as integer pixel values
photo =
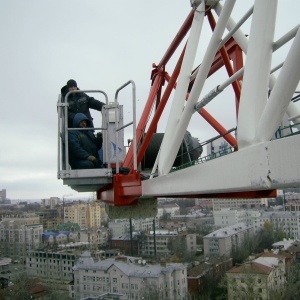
(126, 189)
(157, 78)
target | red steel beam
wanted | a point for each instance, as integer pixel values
(156, 84)
(160, 109)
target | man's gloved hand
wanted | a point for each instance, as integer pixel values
(92, 158)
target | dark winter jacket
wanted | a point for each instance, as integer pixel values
(80, 103)
(82, 143)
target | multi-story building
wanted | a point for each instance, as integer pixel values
(49, 218)
(56, 266)
(289, 196)
(190, 242)
(201, 276)
(57, 238)
(126, 244)
(120, 227)
(292, 205)
(286, 221)
(160, 243)
(2, 196)
(260, 278)
(234, 203)
(289, 222)
(85, 214)
(129, 276)
(227, 217)
(19, 234)
(204, 203)
(171, 209)
(52, 202)
(97, 237)
(223, 241)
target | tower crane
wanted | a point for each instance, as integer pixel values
(260, 160)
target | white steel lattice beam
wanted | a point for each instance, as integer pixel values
(265, 166)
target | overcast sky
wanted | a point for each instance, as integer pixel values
(101, 44)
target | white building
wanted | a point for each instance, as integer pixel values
(172, 209)
(223, 241)
(52, 202)
(234, 203)
(227, 217)
(128, 276)
(287, 221)
(160, 244)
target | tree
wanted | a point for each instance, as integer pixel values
(149, 291)
(166, 215)
(239, 254)
(21, 290)
(55, 294)
(292, 287)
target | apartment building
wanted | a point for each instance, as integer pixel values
(128, 276)
(51, 202)
(19, 234)
(292, 205)
(228, 217)
(49, 218)
(120, 227)
(54, 266)
(160, 243)
(3, 196)
(223, 241)
(234, 203)
(126, 244)
(98, 236)
(85, 214)
(211, 270)
(59, 237)
(259, 278)
(287, 221)
(171, 209)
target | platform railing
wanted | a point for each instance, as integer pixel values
(63, 130)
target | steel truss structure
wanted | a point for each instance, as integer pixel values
(259, 164)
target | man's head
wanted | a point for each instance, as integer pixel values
(72, 85)
(81, 121)
(83, 124)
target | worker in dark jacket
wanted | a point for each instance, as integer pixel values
(79, 102)
(83, 150)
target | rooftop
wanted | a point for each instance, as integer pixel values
(131, 266)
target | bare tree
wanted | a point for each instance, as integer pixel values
(149, 291)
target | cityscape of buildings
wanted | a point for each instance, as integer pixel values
(176, 255)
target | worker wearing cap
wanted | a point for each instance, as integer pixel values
(79, 102)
